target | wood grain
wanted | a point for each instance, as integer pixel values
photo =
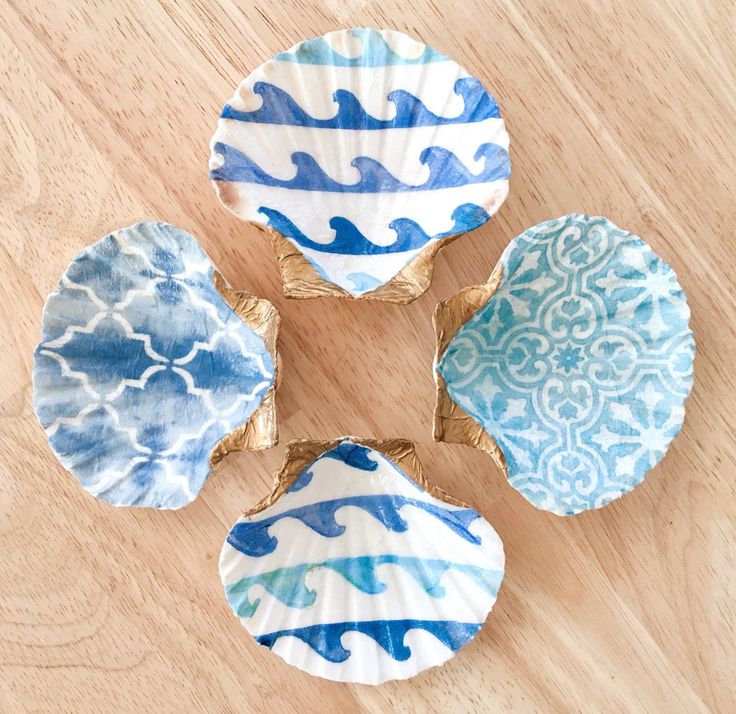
(624, 109)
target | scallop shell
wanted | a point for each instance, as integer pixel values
(354, 572)
(363, 148)
(576, 364)
(143, 368)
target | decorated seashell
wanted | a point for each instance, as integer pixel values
(150, 368)
(354, 571)
(573, 363)
(363, 152)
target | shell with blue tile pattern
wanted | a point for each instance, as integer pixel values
(579, 364)
(361, 148)
(143, 367)
(357, 574)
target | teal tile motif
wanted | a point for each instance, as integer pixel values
(580, 363)
(357, 574)
(143, 367)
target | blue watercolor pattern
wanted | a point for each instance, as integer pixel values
(252, 537)
(288, 584)
(580, 363)
(445, 171)
(325, 639)
(355, 455)
(375, 51)
(143, 367)
(286, 116)
(351, 476)
(279, 107)
(350, 241)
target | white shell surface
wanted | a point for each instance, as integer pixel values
(357, 574)
(361, 147)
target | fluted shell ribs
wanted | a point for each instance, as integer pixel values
(146, 373)
(363, 151)
(353, 571)
(573, 365)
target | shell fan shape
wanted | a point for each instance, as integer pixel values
(357, 574)
(579, 364)
(143, 367)
(361, 147)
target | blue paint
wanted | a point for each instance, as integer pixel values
(375, 52)
(107, 355)
(279, 107)
(252, 537)
(363, 282)
(303, 480)
(288, 584)
(349, 453)
(350, 241)
(98, 268)
(108, 387)
(445, 171)
(579, 364)
(389, 634)
(355, 455)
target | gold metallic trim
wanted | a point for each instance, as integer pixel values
(302, 452)
(301, 280)
(452, 424)
(261, 430)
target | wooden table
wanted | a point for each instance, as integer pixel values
(624, 109)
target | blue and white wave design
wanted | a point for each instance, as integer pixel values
(445, 171)
(143, 367)
(326, 640)
(288, 584)
(279, 107)
(340, 141)
(350, 241)
(357, 574)
(253, 539)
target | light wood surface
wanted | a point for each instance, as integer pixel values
(625, 109)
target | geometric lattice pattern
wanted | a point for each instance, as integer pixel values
(143, 367)
(580, 363)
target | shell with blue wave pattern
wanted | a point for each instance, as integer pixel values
(361, 148)
(143, 367)
(579, 364)
(358, 574)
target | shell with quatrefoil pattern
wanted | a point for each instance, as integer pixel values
(580, 363)
(143, 367)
